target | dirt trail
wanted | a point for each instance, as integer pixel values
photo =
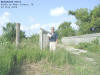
(28, 69)
(41, 68)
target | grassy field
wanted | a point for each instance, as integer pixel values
(60, 62)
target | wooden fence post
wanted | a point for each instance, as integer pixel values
(17, 34)
(41, 39)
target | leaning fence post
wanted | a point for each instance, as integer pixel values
(17, 34)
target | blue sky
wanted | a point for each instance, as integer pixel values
(44, 13)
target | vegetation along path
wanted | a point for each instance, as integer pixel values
(89, 60)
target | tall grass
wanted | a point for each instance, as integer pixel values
(10, 57)
(6, 58)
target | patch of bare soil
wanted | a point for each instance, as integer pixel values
(42, 68)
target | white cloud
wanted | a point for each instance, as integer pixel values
(61, 11)
(31, 27)
(58, 11)
(70, 18)
(29, 30)
(49, 25)
(74, 26)
(34, 28)
(4, 18)
(0, 30)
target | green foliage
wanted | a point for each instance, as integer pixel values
(96, 11)
(65, 29)
(87, 19)
(81, 14)
(83, 20)
(9, 32)
(94, 46)
(10, 57)
(34, 38)
(6, 58)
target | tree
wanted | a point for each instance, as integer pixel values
(9, 32)
(65, 29)
(81, 14)
(95, 17)
(87, 19)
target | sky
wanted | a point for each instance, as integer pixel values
(43, 14)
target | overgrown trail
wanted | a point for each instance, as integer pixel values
(44, 68)
(78, 52)
(29, 69)
(91, 57)
(72, 49)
